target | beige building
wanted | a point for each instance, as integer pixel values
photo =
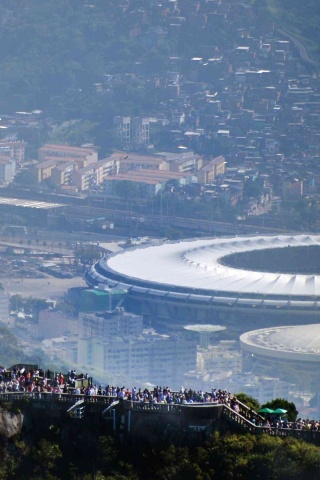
(62, 174)
(94, 174)
(214, 168)
(186, 162)
(42, 171)
(66, 153)
(147, 182)
(134, 161)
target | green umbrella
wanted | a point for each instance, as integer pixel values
(265, 410)
(280, 411)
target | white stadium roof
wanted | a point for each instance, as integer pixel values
(301, 342)
(194, 264)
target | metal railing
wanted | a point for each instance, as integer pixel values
(56, 397)
(240, 418)
(303, 434)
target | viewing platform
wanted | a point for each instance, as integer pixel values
(176, 416)
(130, 418)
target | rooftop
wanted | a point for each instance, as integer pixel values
(196, 265)
(19, 202)
(293, 342)
(67, 148)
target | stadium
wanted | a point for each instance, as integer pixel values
(242, 283)
(292, 352)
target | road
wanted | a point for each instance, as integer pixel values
(64, 237)
(303, 51)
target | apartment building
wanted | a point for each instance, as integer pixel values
(122, 129)
(133, 161)
(214, 168)
(135, 130)
(147, 183)
(66, 153)
(7, 170)
(4, 307)
(62, 174)
(140, 131)
(106, 324)
(42, 171)
(182, 162)
(14, 149)
(117, 343)
(94, 174)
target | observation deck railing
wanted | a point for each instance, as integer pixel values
(242, 418)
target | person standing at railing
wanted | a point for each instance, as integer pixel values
(134, 393)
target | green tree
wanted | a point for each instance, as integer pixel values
(251, 402)
(284, 404)
(45, 456)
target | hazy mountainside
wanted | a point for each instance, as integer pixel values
(12, 352)
(299, 18)
(53, 54)
(50, 52)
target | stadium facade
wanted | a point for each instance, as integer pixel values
(293, 353)
(243, 283)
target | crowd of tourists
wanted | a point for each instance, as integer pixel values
(43, 381)
(36, 380)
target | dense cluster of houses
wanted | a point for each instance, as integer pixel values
(243, 111)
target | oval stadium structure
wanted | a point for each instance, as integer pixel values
(242, 283)
(292, 352)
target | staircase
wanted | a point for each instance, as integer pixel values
(241, 421)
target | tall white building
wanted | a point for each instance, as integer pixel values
(117, 343)
(7, 170)
(4, 306)
(122, 129)
(110, 324)
(135, 130)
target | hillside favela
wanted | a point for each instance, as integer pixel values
(159, 239)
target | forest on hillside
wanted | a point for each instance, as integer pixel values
(224, 456)
(53, 52)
